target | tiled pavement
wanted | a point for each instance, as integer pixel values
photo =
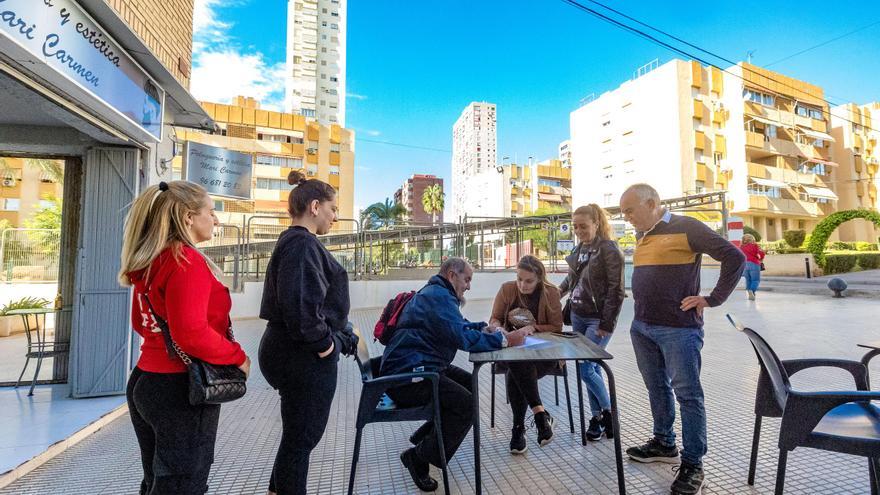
(798, 326)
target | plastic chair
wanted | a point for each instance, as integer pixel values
(845, 422)
(39, 346)
(556, 373)
(376, 407)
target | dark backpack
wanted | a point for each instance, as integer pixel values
(387, 323)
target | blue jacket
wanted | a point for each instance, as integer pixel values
(431, 329)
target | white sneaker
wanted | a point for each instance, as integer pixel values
(751, 295)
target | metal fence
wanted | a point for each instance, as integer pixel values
(29, 255)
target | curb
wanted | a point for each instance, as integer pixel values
(56, 448)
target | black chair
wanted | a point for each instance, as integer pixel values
(39, 346)
(845, 422)
(558, 371)
(370, 410)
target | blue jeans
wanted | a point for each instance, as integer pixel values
(752, 273)
(669, 360)
(591, 373)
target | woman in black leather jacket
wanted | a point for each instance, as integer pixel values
(595, 287)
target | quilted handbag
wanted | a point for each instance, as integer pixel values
(208, 383)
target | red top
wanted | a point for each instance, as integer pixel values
(196, 306)
(753, 252)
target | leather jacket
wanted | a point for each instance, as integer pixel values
(601, 281)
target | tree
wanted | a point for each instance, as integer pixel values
(52, 168)
(433, 201)
(381, 216)
(539, 236)
(48, 220)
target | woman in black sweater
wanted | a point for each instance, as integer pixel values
(305, 301)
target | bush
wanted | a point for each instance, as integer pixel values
(827, 226)
(869, 261)
(755, 234)
(791, 250)
(866, 246)
(794, 238)
(839, 263)
(841, 246)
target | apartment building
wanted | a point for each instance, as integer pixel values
(316, 41)
(25, 188)
(279, 143)
(855, 178)
(410, 196)
(565, 153)
(474, 163)
(684, 128)
(531, 187)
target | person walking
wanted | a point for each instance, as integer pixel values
(305, 303)
(754, 263)
(667, 329)
(530, 302)
(595, 284)
(160, 261)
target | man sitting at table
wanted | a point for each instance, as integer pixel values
(429, 332)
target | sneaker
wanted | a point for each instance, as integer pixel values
(751, 295)
(594, 432)
(608, 424)
(518, 440)
(544, 422)
(419, 470)
(689, 479)
(653, 451)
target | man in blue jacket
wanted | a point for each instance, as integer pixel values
(429, 332)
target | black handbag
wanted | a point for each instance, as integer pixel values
(762, 266)
(208, 383)
(566, 310)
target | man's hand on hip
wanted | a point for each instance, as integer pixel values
(694, 302)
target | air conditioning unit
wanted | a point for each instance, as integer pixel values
(8, 182)
(312, 151)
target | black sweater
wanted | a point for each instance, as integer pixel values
(305, 295)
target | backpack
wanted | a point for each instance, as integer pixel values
(387, 323)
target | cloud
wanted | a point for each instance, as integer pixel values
(373, 132)
(361, 168)
(355, 96)
(222, 69)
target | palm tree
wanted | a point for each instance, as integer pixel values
(433, 201)
(381, 216)
(53, 169)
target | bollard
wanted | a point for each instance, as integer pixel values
(807, 266)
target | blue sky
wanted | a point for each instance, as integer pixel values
(413, 66)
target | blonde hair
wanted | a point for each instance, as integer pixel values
(599, 216)
(156, 221)
(748, 239)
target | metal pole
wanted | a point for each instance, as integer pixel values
(724, 215)
(807, 266)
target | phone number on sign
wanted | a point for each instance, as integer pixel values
(217, 182)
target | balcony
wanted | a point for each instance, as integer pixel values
(858, 164)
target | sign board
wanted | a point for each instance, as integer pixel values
(564, 228)
(221, 171)
(62, 35)
(735, 230)
(564, 246)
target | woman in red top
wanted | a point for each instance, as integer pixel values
(752, 271)
(160, 261)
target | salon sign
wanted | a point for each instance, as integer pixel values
(62, 35)
(220, 171)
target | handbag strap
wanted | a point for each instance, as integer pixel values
(170, 345)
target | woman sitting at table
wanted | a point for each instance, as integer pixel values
(533, 301)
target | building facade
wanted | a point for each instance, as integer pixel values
(474, 162)
(25, 189)
(410, 196)
(858, 157)
(684, 128)
(316, 40)
(544, 186)
(564, 154)
(279, 143)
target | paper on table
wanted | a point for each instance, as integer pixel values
(532, 341)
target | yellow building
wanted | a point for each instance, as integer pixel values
(858, 156)
(279, 143)
(24, 189)
(545, 185)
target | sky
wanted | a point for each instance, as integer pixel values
(413, 66)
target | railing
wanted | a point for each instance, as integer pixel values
(29, 255)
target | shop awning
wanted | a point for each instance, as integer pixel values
(815, 134)
(819, 192)
(768, 182)
(556, 198)
(823, 162)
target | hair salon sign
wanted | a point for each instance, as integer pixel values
(64, 36)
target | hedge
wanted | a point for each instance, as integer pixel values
(826, 227)
(869, 261)
(794, 238)
(839, 263)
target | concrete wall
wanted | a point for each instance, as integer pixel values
(790, 265)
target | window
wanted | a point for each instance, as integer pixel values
(716, 158)
(808, 111)
(802, 224)
(759, 98)
(218, 205)
(334, 169)
(334, 79)
(272, 184)
(312, 170)
(770, 131)
(759, 190)
(10, 204)
(812, 168)
(769, 222)
(323, 23)
(279, 161)
(699, 186)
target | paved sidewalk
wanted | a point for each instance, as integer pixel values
(865, 284)
(798, 326)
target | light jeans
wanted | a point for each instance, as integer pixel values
(591, 373)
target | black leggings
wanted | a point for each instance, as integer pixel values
(306, 384)
(522, 386)
(176, 439)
